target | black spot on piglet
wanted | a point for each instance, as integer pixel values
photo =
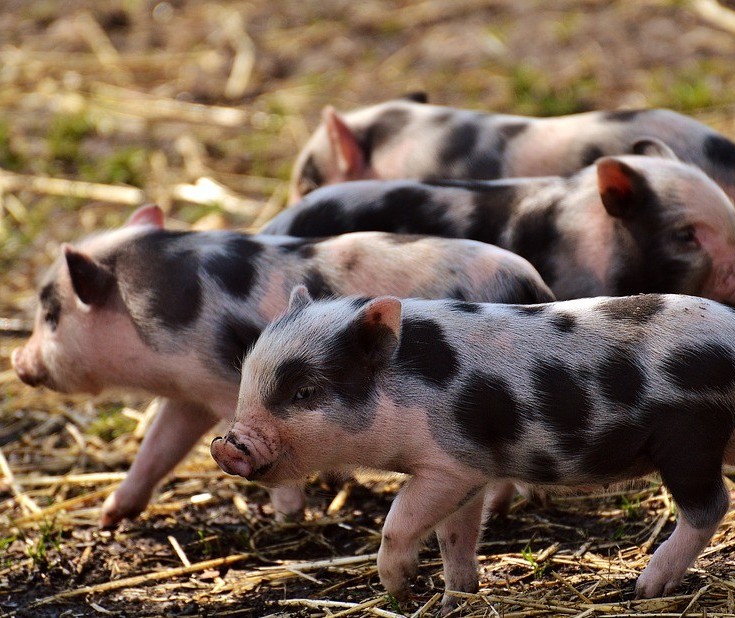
(562, 400)
(424, 350)
(486, 411)
(638, 309)
(621, 378)
(234, 267)
(706, 367)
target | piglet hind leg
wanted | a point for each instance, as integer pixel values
(174, 431)
(458, 535)
(694, 529)
(420, 505)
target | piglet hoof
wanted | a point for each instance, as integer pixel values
(114, 510)
(396, 580)
(655, 583)
(450, 603)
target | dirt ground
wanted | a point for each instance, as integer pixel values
(202, 107)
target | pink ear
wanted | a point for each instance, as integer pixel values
(620, 187)
(379, 330)
(345, 148)
(384, 311)
(150, 214)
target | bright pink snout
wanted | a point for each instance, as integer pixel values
(30, 371)
(232, 456)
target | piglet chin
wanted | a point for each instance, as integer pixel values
(230, 458)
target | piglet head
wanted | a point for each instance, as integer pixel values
(680, 225)
(78, 308)
(308, 385)
(333, 154)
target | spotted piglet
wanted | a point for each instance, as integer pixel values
(625, 225)
(410, 139)
(174, 313)
(464, 396)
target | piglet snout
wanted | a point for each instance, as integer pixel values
(33, 374)
(232, 456)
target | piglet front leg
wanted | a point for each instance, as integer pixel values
(174, 431)
(458, 535)
(421, 504)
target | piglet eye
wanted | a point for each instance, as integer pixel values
(685, 235)
(305, 392)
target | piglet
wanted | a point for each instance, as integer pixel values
(406, 138)
(174, 313)
(624, 225)
(464, 396)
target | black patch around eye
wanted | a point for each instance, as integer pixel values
(720, 151)
(535, 238)
(424, 350)
(234, 267)
(486, 411)
(708, 366)
(590, 154)
(636, 309)
(310, 174)
(563, 401)
(317, 285)
(621, 378)
(289, 377)
(50, 304)
(625, 115)
(233, 340)
(542, 468)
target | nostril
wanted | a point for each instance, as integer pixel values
(239, 446)
(215, 440)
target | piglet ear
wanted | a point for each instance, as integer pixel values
(623, 190)
(344, 145)
(652, 147)
(379, 330)
(299, 298)
(91, 281)
(150, 214)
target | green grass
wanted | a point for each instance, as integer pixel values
(49, 537)
(127, 165)
(538, 569)
(111, 423)
(535, 95)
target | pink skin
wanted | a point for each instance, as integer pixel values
(65, 362)
(442, 494)
(669, 563)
